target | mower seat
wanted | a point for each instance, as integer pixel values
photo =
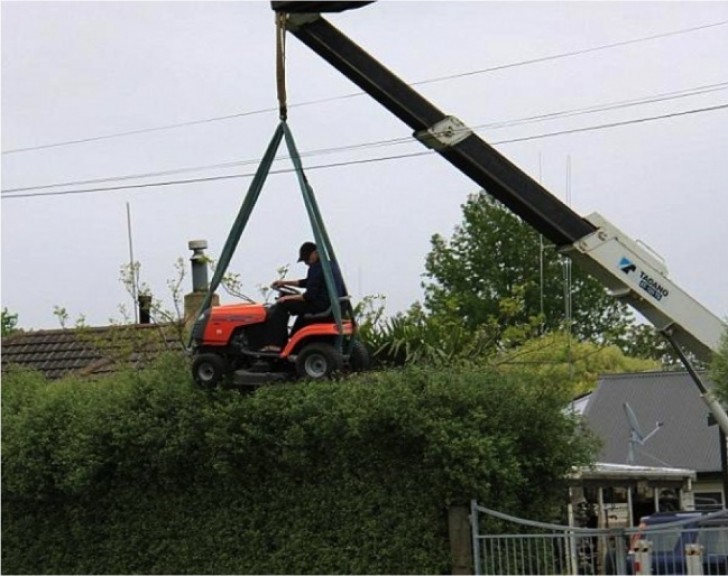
(345, 302)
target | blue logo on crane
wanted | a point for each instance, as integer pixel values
(646, 282)
(626, 265)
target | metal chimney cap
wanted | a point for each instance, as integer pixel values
(197, 244)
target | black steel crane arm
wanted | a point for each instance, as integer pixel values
(471, 155)
(292, 6)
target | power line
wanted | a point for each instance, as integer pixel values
(616, 124)
(365, 161)
(356, 94)
(699, 90)
(233, 164)
(135, 132)
(663, 97)
(576, 52)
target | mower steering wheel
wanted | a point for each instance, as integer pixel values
(286, 291)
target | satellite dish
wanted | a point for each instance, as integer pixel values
(635, 433)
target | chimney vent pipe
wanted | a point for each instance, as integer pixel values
(199, 265)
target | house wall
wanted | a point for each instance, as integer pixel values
(620, 503)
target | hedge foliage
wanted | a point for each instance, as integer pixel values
(144, 473)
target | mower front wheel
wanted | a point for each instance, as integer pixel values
(318, 360)
(209, 369)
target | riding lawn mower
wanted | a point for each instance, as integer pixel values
(227, 341)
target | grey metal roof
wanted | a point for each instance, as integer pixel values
(684, 441)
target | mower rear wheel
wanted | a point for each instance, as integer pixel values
(359, 357)
(318, 360)
(209, 369)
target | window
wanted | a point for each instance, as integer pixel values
(708, 501)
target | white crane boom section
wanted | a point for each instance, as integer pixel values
(637, 276)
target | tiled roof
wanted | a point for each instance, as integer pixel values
(88, 351)
(684, 440)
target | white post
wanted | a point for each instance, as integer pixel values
(630, 515)
(694, 559)
(643, 557)
(572, 567)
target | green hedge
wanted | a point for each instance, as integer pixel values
(144, 473)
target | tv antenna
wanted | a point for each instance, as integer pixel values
(635, 433)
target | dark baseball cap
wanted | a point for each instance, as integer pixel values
(305, 251)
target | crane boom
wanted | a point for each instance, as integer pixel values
(628, 270)
(638, 277)
(448, 136)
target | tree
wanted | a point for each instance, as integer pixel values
(557, 357)
(644, 341)
(9, 322)
(719, 369)
(493, 255)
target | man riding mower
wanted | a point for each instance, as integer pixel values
(249, 344)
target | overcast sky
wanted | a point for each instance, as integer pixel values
(97, 71)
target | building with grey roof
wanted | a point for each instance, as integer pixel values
(673, 422)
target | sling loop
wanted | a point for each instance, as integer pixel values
(323, 243)
(281, 65)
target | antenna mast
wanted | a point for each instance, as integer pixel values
(131, 265)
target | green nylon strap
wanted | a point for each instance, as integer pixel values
(326, 251)
(321, 237)
(241, 220)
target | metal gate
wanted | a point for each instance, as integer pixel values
(504, 544)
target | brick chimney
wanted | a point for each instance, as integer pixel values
(144, 301)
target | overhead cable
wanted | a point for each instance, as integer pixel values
(397, 141)
(8, 196)
(574, 53)
(356, 94)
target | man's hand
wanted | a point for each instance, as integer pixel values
(290, 297)
(282, 283)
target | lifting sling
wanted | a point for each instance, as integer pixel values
(321, 237)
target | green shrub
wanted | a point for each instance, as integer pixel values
(719, 369)
(144, 473)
